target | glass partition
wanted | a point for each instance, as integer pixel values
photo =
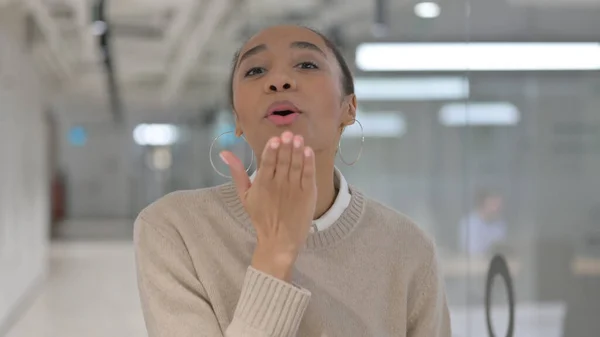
(488, 135)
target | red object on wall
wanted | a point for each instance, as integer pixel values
(58, 198)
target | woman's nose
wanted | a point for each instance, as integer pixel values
(280, 83)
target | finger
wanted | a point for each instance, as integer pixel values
(308, 170)
(284, 157)
(268, 159)
(295, 175)
(238, 172)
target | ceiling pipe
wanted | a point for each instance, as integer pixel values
(189, 55)
(381, 24)
(334, 14)
(104, 40)
(50, 30)
(83, 16)
(182, 22)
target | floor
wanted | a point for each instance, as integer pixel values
(90, 291)
(97, 230)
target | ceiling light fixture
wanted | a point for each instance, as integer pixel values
(156, 134)
(427, 10)
(99, 28)
(491, 56)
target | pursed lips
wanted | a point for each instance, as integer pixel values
(282, 106)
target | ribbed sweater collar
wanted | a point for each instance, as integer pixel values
(349, 219)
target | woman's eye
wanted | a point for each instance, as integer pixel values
(254, 71)
(308, 65)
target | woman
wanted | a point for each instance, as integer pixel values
(241, 259)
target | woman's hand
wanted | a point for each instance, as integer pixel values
(281, 201)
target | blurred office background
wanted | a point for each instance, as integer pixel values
(481, 118)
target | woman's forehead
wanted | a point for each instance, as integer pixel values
(284, 35)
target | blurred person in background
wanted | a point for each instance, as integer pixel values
(292, 250)
(483, 228)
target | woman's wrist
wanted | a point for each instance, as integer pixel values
(274, 262)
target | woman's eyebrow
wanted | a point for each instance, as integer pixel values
(307, 45)
(296, 44)
(252, 51)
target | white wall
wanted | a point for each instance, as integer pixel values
(24, 195)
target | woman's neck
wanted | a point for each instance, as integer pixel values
(326, 192)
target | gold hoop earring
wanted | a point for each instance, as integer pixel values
(362, 143)
(211, 159)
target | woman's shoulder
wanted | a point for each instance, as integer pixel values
(193, 220)
(398, 226)
(409, 246)
(173, 206)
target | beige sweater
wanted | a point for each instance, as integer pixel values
(372, 273)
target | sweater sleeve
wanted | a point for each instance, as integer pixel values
(175, 303)
(430, 316)
(268, 307)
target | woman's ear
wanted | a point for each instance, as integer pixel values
(349, 110)
(238, 128)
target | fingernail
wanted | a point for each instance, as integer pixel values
(223, 158)
(307, 152)
(297, 142)
(274, 144)
(287, 137)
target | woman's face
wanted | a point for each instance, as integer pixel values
(290, 67)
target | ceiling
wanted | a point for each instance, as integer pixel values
(176, 53)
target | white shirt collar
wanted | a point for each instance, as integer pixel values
(339, 205)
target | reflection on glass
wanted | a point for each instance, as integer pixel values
(479, 114)
(403, 89)
(483, 227)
